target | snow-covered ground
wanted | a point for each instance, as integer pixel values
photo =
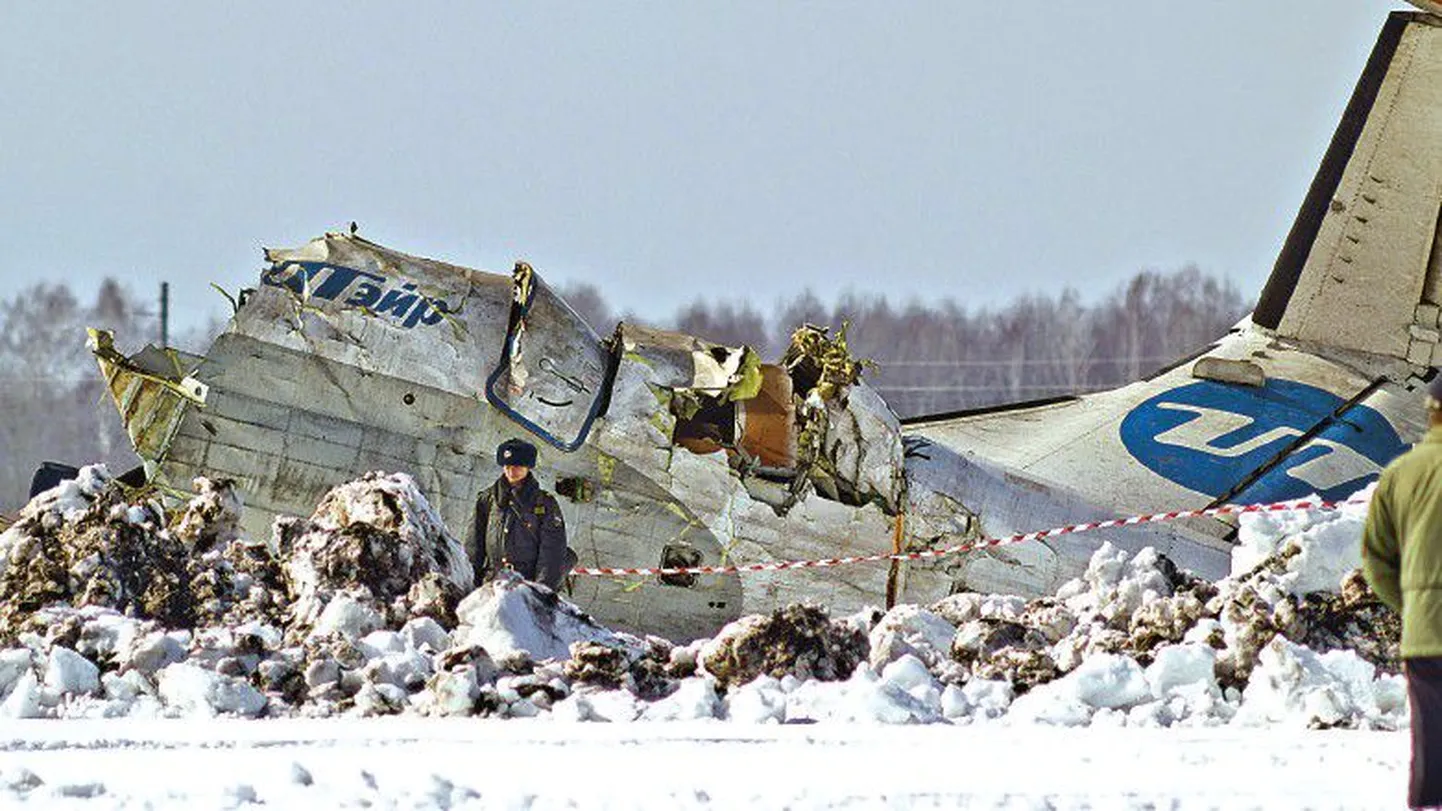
(484, 764)
(133, 644)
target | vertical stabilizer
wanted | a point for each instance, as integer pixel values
(1361, 269)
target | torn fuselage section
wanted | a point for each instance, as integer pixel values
(807, 424)
(152, 390)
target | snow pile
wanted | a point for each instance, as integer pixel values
(366, 609)
(1310, 550)
(376, 544)
(82, 543)
(798, 640)
(509, 614)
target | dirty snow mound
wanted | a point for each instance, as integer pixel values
(82, 543)
(105, 611)
(212, 518)
(798, 639)
(378, 540)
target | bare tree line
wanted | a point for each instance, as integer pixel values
(52, 398)
(930, 357)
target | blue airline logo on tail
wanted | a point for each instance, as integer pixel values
(1209, 436)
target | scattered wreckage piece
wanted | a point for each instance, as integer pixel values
(666, 448)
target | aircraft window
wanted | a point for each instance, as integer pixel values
(679, 556)
(576, 489)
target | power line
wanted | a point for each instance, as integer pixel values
(1024, 362)
(1060, 389)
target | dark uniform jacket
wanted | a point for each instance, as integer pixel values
(520, 527)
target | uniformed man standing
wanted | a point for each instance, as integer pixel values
(519, 526)
(1402, 561)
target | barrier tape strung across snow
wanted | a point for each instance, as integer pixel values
(984, 543)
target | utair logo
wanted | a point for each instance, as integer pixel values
(358, 288)
(1209, 437)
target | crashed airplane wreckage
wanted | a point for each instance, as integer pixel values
(671, 451)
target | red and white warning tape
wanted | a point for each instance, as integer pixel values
(984, 543)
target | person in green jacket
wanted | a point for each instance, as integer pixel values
(1402, 561)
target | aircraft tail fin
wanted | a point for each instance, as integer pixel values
(1361, 269)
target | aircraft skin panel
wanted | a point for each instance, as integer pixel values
(1007, 502)
(267, 403)
(1195, 440)
(363, 306)
(553, 370)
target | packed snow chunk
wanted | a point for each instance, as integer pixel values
(909, 675)
(24, 700)
(347, 616)
(1310, 550)
(694, 700)
(212, 518)
(1390, 694)
(605, 706)
(128, 687)
(193, 690)
(81, 543)
(1293, 685)
(13, 663)
(1109, 681)
(955, 706)
(1176, 666)
(989, 698)
(154, 651)
(960, 608)
(380, 643)
(863, 698)
(69, 673)
(511, 614)
(374, 700)
(453, 692)
(1104, 681)
(377, 533)
(797, 639)
(1052, 704)
(425, 634)
(759, 701)
(105, 634)
(909, 630)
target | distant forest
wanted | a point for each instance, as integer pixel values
(930, 357)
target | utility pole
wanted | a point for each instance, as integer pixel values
(164, 314)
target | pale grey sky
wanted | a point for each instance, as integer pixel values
(668, 150)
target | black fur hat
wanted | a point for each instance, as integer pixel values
(516, 452)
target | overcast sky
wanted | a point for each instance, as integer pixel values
(667, 151)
